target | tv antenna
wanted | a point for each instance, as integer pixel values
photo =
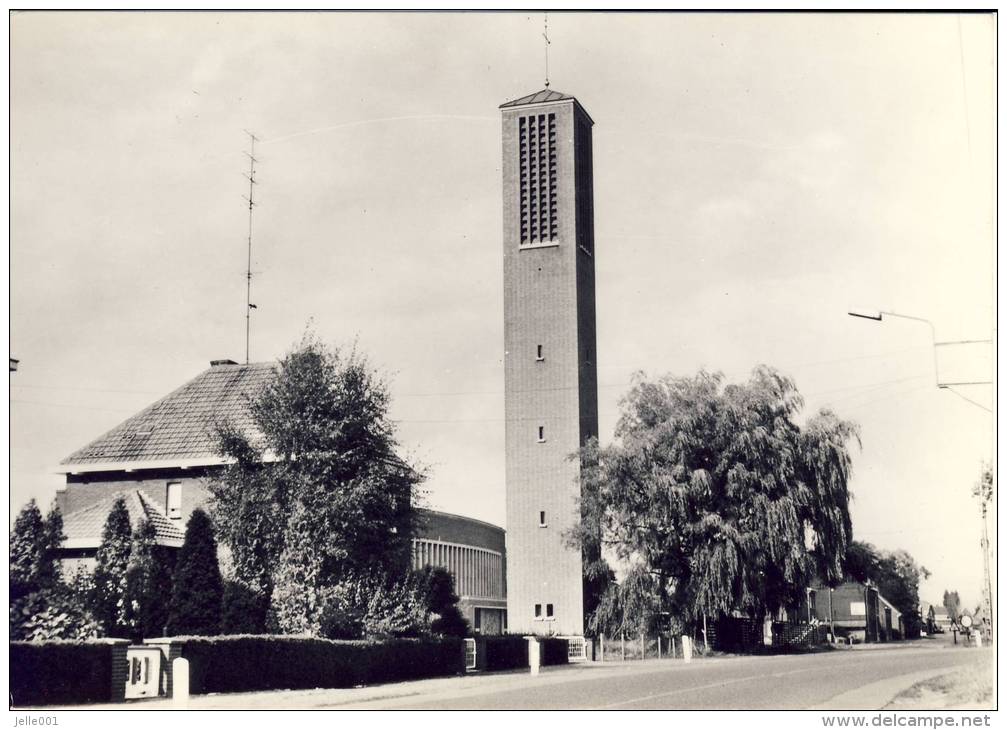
(248, 272)
(545, 35)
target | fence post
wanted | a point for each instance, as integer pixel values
(534, 657)
(686, 649)
(602, 646)
(180, 681)
(658, 646)
(623, 638)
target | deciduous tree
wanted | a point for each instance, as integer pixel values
(318, 494)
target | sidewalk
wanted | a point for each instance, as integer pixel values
(441, 688)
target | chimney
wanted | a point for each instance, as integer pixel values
(218, 363)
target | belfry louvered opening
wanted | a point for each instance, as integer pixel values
(539, 222)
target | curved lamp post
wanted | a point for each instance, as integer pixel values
(878, 316)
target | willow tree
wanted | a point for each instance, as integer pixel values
(719, 494)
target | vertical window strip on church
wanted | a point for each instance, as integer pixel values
(537, 161)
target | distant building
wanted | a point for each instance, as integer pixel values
(858, 611)
(550, 358)
(159, 460)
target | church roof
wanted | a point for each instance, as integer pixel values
(84, 527)
(178, 429)
(539, 97)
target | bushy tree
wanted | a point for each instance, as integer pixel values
(953, 605)
(59, 612)
(244, 610)
(717, 496)
(373, 606)
(149, 583)
(43, 606)
(34, 546)
(436, 586)
(895, 574)
(332, 502)
(110, 599)
(196, 596)
(297, 601)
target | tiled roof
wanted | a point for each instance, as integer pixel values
(180, 426)
(538, 98)
(83, 528)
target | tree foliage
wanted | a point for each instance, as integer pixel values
(895, 574)
(716, 496)
(318, 495)
(34, 546)
(148, 583)
(59, 611)
(953, 605)
(436, 585)
(110, 597)
(42, 606)
(197, 589)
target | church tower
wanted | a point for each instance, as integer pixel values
(550, 376)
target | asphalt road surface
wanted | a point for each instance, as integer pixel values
(777, 682)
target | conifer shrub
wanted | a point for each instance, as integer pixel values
(198, 588)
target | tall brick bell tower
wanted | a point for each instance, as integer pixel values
(550, 376)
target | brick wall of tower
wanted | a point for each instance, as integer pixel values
(548, 301)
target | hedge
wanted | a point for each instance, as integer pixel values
(502, 652)
(60, 672)
(555, 651)
(255, 662)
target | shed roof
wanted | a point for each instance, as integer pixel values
(83, 528)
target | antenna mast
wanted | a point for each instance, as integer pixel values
(545, 34)
(248, 272)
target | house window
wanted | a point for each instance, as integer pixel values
(477, 620)
(541, 434)
(538, 353)
(548, 610)
(174, 500)
(541, 519)
(538, 610)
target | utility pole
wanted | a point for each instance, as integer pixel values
(984, 491)
(248, 271)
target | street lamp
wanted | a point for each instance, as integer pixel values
(878, 316)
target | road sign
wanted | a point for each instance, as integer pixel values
(966, 621)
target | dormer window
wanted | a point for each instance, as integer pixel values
(173, 500)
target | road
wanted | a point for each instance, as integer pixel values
(864, 678)
(836, 680)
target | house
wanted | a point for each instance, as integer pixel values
(160, 459)
(857, 611)
(942, 620)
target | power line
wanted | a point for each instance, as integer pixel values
(963, 397)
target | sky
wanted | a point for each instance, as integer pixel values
(756, 177)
